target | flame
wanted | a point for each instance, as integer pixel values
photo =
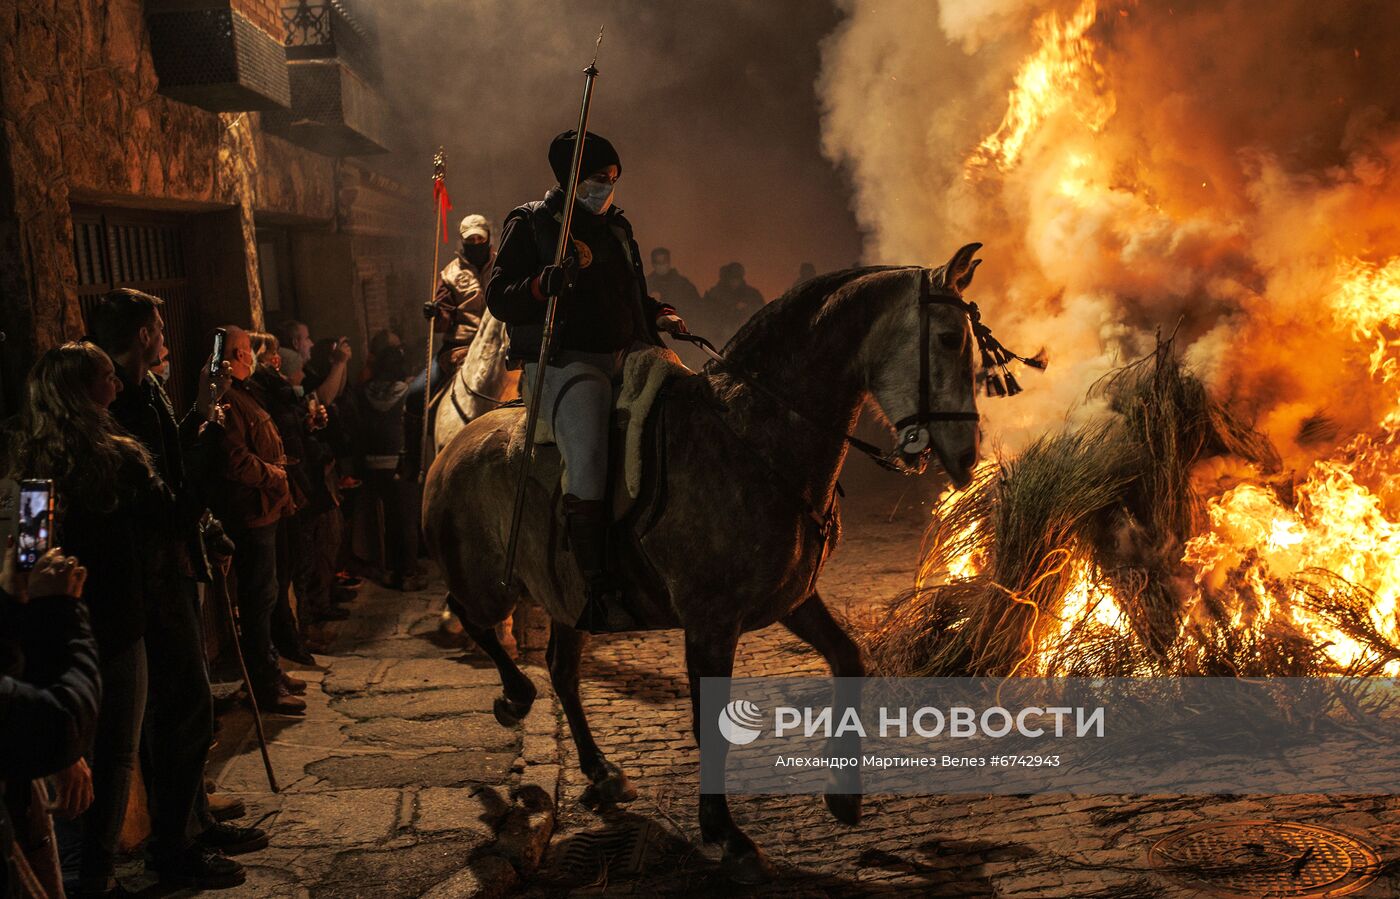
(1097, 161)
(1367, 303)
(1062, 75)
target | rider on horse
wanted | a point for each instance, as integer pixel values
(604, 314)
(457, 306)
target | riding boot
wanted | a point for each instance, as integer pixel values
(586, 522)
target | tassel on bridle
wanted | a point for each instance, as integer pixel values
(995, 357)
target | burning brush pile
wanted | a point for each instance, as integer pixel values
(1097, 552)
(1229, 504)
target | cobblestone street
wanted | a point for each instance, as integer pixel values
(399, 781)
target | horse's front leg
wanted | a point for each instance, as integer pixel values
(608, 783)
(813, 624)
(709, 652)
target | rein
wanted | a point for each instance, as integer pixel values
(916, 436)
(748, 379)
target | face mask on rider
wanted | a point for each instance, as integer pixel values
(478, 254)
(595, 196)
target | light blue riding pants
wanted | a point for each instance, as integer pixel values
(575, 413)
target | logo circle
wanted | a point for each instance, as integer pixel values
(740, 722)
(585, 253)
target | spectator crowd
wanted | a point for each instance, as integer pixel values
(246, 500)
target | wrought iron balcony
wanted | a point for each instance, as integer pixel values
(330, 29)
(209, 55)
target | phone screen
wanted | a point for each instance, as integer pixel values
(214, 364)
(36, 522)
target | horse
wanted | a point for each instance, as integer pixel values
(754, 445)
(482, 383)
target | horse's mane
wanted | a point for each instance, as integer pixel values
(801, 301)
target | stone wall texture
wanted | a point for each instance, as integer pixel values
(82, 123)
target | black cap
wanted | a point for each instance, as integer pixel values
(598, 154)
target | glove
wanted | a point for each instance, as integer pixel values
(430, 311)
(671, 323)
(555, 279)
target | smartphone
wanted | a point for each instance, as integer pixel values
(217, 362)
(36, 522)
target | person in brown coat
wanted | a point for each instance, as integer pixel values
(251, 495)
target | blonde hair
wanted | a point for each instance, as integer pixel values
(67, 437)
(263, 344)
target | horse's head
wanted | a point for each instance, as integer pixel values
(932, 404)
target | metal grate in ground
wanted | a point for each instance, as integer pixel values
(1250, 859)
(606, 851)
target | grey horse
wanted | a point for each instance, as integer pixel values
(753, 447)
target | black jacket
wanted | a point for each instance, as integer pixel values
(116, 546)
(49, 694)
(183, 451)
(528, 243)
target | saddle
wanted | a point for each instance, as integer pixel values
(638, 490)
(645, 374)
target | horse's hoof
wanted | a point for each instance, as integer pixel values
(509, 712)
(747, 866)
(844, 807)
(612, 787)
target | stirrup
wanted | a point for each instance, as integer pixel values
(601, 596)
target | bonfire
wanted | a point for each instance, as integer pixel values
(1110, 550)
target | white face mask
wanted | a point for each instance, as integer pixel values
(595, 196)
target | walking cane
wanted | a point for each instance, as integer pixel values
(441, 205)
(560, 253)
(221, 578)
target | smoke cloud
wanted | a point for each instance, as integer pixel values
(711, 107)
(1228, 169)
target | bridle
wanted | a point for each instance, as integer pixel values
(913, 429)
(914, 436)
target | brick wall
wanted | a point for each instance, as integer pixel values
(266, 14)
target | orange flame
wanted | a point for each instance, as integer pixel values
(1062, 75)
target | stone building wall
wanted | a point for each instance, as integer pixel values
(82, 124)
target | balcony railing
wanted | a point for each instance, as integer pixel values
(325, 29)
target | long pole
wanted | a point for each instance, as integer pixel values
(561, 250)
(221, 578)
(425, 456)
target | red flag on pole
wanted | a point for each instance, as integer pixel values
(440, 198)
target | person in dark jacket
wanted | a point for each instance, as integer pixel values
(50, 690)
(390, 497)
(291, 416)
(730, 303)
(251, 495)
(604, 313)
(178, 729)
(113, 506)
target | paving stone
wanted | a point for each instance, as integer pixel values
(430, 704)
(487, 877)
(337, 818)
(474, 731)
(457, 809)
(397, 873)
(412, 770)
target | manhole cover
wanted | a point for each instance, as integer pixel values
(1267, 859)
(618, 850)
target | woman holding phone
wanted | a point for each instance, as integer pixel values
(108, 498)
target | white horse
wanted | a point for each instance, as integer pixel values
(482, 383)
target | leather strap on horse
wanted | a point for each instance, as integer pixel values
(869, 449)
